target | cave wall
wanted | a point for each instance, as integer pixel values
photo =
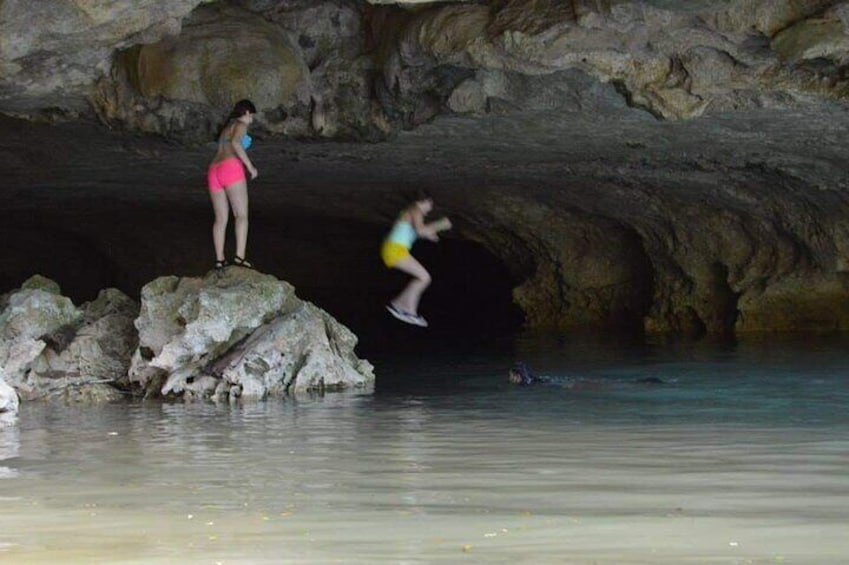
(669, 166)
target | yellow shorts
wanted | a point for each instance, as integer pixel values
(393, 253)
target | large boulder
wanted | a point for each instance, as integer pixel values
(221, 57)
(48, 346)
(240, 333)
(32, 317)
(8, 402)
(182, 86)
(98, 355)
(302, 64)
(304, 350)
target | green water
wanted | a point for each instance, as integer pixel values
(740, 456)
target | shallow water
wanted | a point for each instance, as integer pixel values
(741, 456)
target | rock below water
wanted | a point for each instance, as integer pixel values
(237, 334)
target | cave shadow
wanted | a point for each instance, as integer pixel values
(332, 261)
(335, 263)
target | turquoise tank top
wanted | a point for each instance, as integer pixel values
(403, 233)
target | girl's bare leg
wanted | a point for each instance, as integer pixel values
(219, 228)
(408, 300)
(237, 193)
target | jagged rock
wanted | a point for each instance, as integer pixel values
(241, 333)
(823, 37)
(301, 64)
(35, 282)
(662, 58)
(51, 58)
(590, 272)
(31, 318)
(305, 350)
(48, 346)
(310, 74)
(223, 54)
(8, 402)
(100, 350)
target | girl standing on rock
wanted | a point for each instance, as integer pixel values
(395, 253)
(228, 187)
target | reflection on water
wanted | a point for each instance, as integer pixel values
(740, 457)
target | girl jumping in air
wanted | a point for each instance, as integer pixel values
(395, 253)
(228, 187)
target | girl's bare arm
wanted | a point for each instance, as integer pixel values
(239, 130)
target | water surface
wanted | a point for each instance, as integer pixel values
(741, 456)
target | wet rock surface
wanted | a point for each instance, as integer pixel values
(233, 334)
(49, 347)
(8, 402)
(239, 334)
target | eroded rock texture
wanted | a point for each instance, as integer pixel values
(49, 347)
(236, 334)
(240, 334)
(671, 166)
(8, 402)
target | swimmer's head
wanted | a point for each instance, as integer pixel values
(520, 374)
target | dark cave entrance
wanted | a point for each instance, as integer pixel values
(333, 262)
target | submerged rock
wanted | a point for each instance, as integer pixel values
(240, 333)
(48, 346)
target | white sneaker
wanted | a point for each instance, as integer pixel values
(398, 313)
(418, 321)
(406, 317)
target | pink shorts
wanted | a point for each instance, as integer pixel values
(224, 173)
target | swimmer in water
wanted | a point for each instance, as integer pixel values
(520, 374)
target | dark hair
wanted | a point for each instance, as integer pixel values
(417, 195)
(241, 108)
(526, 376)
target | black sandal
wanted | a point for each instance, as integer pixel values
(219, 265)
(241, 262)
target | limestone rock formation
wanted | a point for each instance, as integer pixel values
(8, 402)
(309, 66)
(50, 347)
(222, 55)
(51, 57)
(239, 334)
(675, 62)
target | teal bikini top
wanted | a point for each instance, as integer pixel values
(247, 141)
